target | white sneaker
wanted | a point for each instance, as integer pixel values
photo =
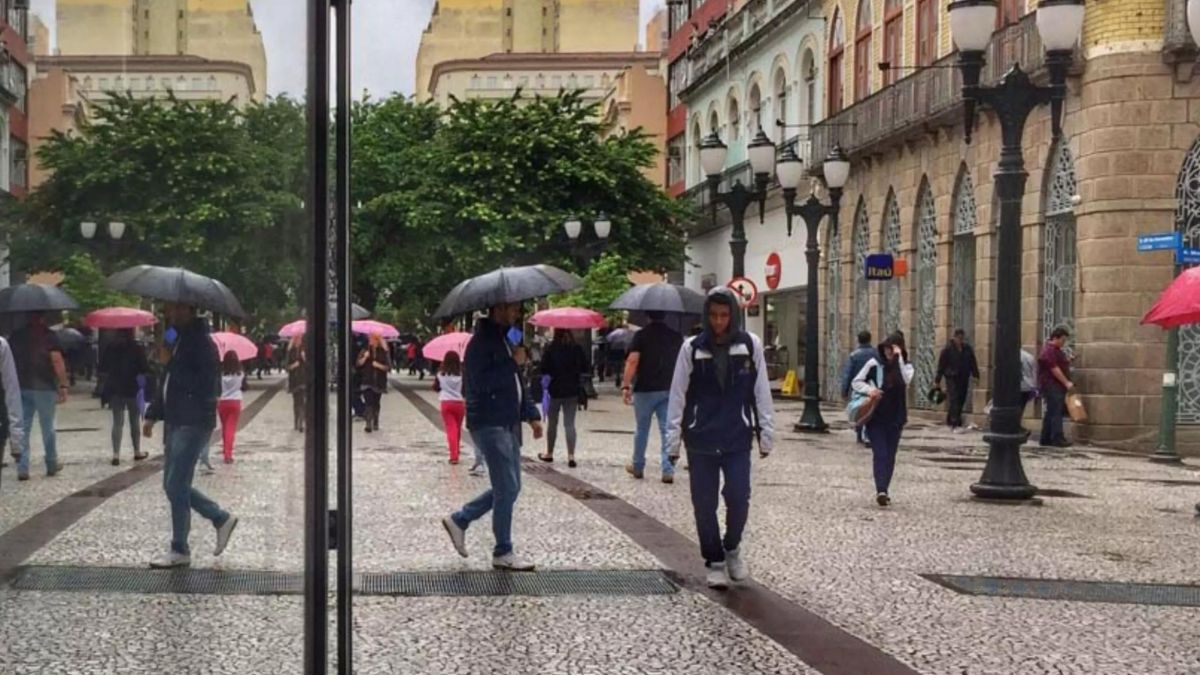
(171, 559)
(223, 533)
(718, 578)
(478, 470)
(458, 536)
(737, 568)
(512, 563)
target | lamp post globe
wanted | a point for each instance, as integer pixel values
(762, 154)
(603, 226)
(837, 168)
(87, 228)
(573, 227)
(712, 155)
(1193, 19)
(971, 23)
(1060, 23)
(789, 169)
(116, 229)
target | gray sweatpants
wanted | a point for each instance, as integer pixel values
(568, 406)
(122, 406)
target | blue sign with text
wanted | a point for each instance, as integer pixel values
(1167, 241)
(1187, 256)
(880, 267)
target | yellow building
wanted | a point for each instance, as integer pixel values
(472, 29)
(637, 99)
(221, 30)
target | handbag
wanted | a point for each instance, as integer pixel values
(861, 406)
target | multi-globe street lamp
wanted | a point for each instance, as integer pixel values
(573, 226)
(1060, 23)
(713, 153)
(116, 229)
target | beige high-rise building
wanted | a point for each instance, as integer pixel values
(471, 29)
(221, 30)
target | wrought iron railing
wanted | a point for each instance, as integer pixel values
(927, 95)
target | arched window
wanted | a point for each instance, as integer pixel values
(926, 32)
(1058, 275)
(697, 139)
(862, 292)
(808, 71)
(962, 265)
(925, 296)
(833, 294)
(754, 110)
(779, 90)
(837, 63)
(714, 123)
(735, 119)
(862, 51)
(893, 40)
(1187, 223)
(890, 308)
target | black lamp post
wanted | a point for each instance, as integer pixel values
(739, 198)
(584, 252)
(790, 170)
(1059, 23)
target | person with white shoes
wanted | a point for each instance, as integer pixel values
(720, 400)
(188, 407)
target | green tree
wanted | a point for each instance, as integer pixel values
(604, 282)
(84, 281)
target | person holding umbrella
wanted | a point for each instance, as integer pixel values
(297, 372)
(42, 372)
(123, 363)
(374, 363)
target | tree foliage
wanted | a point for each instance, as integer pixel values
(604, 282)
(84, 281)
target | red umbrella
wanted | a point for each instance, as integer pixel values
(293, 329)
(369, 327)
(1179, 304)
(119, 317)
(568, 317)
(437, 348)
(238, 344)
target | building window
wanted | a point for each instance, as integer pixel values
(735, 119)
(523, 81)
(754, 107)
(508, 11)
(675, 153)
(780, 98)
(491, 82)
(18, 83)
(862, 51)
(837, 73)
(893, 40)
(714, 123)
(1010, 12)
(926, 32)
(19, 163)
(589, 81)
(808, 66)
(556, 81)
(104, 84)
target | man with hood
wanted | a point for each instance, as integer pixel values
(720, 400)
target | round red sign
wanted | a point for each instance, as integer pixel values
(745, 289)
(774, 271)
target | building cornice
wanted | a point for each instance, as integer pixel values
(545, 62)
(148, 63)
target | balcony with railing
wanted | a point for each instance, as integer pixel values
(734, 35)
(929, 97)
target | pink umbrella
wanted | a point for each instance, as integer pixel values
(437, 348)
(370, 327)
(1179, 304)
(568, 317)
(238, 344)
(119, 317)
(299, 327)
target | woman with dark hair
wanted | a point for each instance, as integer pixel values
(885, 379)
(229, 406)
(374, 364)
(454, 408)
(297, 372)
(565, 363)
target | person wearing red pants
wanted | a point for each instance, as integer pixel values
(449, 387)
(229, 406)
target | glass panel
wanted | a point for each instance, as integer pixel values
(1187, 222)
(925, 298)
(862, 290)
(1058, 295)
(890, 307)
(833, 294)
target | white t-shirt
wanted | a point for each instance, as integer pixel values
(450, 386)
(231, 387)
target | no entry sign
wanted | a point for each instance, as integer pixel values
(745, 289)
(774, 271)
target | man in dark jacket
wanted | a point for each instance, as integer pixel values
(188, 407)
(957, 365)
(720, 399)
(497, 403)
(858, 359)
(123, 363)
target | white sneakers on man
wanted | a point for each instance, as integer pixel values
(458, 536)
(223, 534)
(736, 566)
(718, 576)
(171, 559)
(510, 562)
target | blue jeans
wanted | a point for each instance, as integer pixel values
(648, 404)
(43, 402)
(704, 473)
(183, 448)
(501, 448)
(1054, 404)
(885, 443)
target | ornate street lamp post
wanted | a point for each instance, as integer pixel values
(739, 198)
(1059, 23)
(584, 252)
(790, 170)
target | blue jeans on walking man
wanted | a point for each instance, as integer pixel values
(501, 448)
(704, 472)
(43, 403)
(183, 446)
(648, 405)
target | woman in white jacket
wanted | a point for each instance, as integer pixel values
(885, 379)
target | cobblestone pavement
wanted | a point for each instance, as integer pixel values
(815, 537)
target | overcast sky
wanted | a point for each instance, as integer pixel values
(386, 35)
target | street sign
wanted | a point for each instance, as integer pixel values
(774, 271)
(745, 289)
(1165, 241)
(880, 267)
(1187, 256)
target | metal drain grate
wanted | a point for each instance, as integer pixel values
(416, 584)
(1176, 595)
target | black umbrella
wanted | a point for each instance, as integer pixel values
(174, 284)
(35, 298)
(661, 297)
(69, 338)
(357, 311)
(507, 284)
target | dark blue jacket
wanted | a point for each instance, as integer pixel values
(858, 358)
(492, 387)
(192, 381)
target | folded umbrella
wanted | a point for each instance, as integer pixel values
(368, 327)
(572, 318)
(238, 344)
(1179, 304)
(35, 298)
(661, 297)
(174, 284)
(119, 317)
(507, 284)
(437, 348)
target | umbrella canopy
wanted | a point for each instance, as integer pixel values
(437, 348)
(507, 284)
(368, 327)
(568, 317)
(69, 338)
(174, 284)
(119, 317)
(357, 312)
(238, 344)
(35, 298)
(1179, 304)
(661, 297)
(620, 337)
(299, 327)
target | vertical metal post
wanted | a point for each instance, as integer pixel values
(345, 337)
(1166, 453)
(316, 461)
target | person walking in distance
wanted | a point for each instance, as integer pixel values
(12, 417)
(720, 399)
(1054, 380)
(374, 364)
(454, 409)
(188, 408)
(957, 365)
(497, 403)
(1029, 379)
(123, 363)
(565, 363)
(229, 406)
(885, 379)
(42, 373)
(858, 358)
(647, 387)
(297, 372)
